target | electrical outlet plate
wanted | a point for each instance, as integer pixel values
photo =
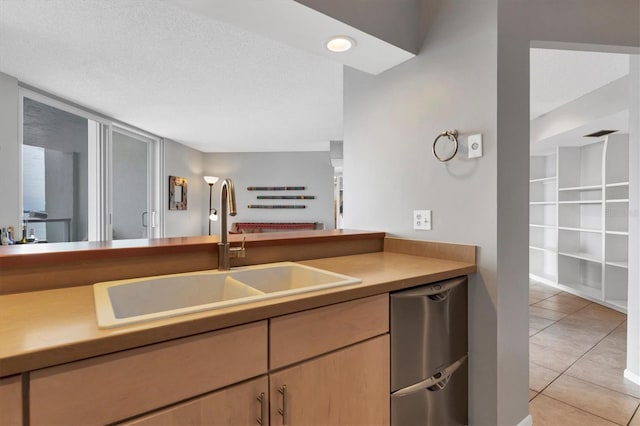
(474, 145)
(422, 220)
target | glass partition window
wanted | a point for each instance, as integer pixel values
(54, 173)
(84, 177)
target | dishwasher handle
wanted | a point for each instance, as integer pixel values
(434, 383)
(436, 291)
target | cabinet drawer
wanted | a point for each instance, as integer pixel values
(113, 387)
(11, 401)
(235, 405)
(306, 334)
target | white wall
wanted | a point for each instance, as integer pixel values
(581, 116)
(9, 151)
(594, 25)
(310, 169)
(185, 162)
(390, 123)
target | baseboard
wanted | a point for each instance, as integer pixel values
(632, 376)
(527, 421)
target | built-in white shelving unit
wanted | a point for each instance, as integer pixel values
(579, 216)
(543, 219)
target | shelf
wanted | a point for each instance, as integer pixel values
(617, 233)
(619, 303)
(594, 293)
(582, 188)
(532, 225)
(619, 264)
(549, 179)
(581, 202)
(611, 185)
(618, 200)
(542, 203)
(543, 277)
(566, 228)
(547, 249)
(581, 256)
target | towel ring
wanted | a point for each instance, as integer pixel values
(452, 135)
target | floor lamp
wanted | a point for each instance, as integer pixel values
(213, 213)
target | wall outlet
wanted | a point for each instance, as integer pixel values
(474, 145)
(422, 220)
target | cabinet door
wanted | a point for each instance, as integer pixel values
(11, 401)
(118, 386)
(243, 404)
(346, 387)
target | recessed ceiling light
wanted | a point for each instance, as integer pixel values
(340, 43)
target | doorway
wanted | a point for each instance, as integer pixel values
(584, 121)
(134, 214)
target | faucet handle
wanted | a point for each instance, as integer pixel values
(238, 251)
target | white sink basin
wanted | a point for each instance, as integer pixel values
(128, 301)
(143, 299)
(290, 278)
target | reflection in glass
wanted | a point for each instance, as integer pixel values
(55, 173)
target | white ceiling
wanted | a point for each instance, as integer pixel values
(172, 69)
(561, 76)
(210, 85)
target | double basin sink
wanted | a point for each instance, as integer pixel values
(143, 299)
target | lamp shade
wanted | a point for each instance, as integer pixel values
(211, 179)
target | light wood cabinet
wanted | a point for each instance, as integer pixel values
(11, 401)
(346, 387)
(118, 386)
(299, 336)
(242, 404)
(332, 364)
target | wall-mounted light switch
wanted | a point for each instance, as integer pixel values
(474, 145)
(422, 220)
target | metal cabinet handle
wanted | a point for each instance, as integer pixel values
(144, 216)
(283, 411)
(263, 406)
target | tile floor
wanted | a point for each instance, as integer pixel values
(577, 355)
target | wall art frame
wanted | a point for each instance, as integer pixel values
(177, 193)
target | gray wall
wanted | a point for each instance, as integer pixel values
(390, 123)
(472, 75)
(185, 162)
(310, 169)
(9, 151)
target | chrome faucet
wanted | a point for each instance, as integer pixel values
(225, 252)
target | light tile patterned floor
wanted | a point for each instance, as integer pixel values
(577, 354)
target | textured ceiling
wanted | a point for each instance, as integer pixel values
(207, 84)
(562, 76)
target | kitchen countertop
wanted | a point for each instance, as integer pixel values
(44, 328)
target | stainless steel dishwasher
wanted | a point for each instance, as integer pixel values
(429, 354)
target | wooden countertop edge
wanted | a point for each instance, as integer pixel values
(172, 328)
(20, 256)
